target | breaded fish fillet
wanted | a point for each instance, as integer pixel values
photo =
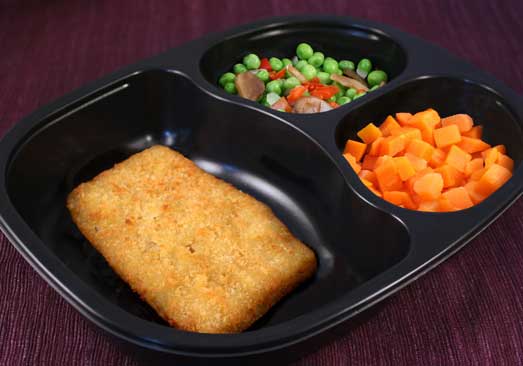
(207, 257)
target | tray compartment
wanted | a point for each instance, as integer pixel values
(261, 155)
(448, 96)
(338, 40)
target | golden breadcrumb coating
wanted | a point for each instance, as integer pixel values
(206, 256)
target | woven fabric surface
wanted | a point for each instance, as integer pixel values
(467, 311)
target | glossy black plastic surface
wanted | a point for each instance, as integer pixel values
(366, 247)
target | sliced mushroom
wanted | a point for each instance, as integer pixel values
(249, 86)
(348, 82)
(354, 75)
(311, 105)
(296, 73)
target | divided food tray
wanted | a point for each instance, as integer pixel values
(367, 248)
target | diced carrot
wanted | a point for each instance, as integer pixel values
(417, 162)
(438, 158)
(355, 148)
(458, 158)
(451, 176)
(471, 145)
(369, 162)
(428, 118)
(404, 167)
(463, 121)
(446, 136)
(473, 193)
(380, 160)
(375, 147)
(501, 149)
(494, 177)
(458, 197)
(444, 205)
(388, 125)
(399, 198)
(490, 156)
(477, 155)
(369, 133)
(475, 132)
(392, 145)
(388, 177)
(473, 166)
(477, 174)
(429, 206)
(421, 149)
(429, 186)
(409, 184)
(369, 176)
(296, 93)
(403, 118)
(427, 135)
(408, 133)
(352, 162)
(505, 161)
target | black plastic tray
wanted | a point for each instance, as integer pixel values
(367, 248)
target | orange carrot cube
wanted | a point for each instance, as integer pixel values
(369, 162)
(505, 161)
(421, 149)
(355, 148)
(446, 136)
(375, 147)
(429, 186)
(457, 158)
(408, 133)
(458, 197)
(490, 156)
(473, 166)
(404, 167)
(392, 145)
(438, 158)
(369, 176)
(493, 178)
(403, 118)
(369, 133)
(471, 145)
(388, 177)
(474, 195)
(388, 125)
(462, 121)
(416, 162)
(475, 132)
(451, 176)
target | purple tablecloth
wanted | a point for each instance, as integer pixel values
(468, 311)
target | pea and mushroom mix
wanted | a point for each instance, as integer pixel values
(307, 83)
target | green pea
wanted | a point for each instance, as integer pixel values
(316, 59)
(345, 64)
(308, 71)
(230, 88)
(263, 75)
(251, 61)
(301, 64)
(239, 68)
(359, 95)
(332, 99)
(263, 101)
(226, 78)
(330, 59)
(286, 61)
(376, 77)
(338, 71)
(343, 100)
(290, 83)
(351, 93)
(276, 63)
(330, 66)
(324, 77)
(364, 67)
(304, 51)
(273, 87)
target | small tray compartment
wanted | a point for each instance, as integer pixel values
(335, 40)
